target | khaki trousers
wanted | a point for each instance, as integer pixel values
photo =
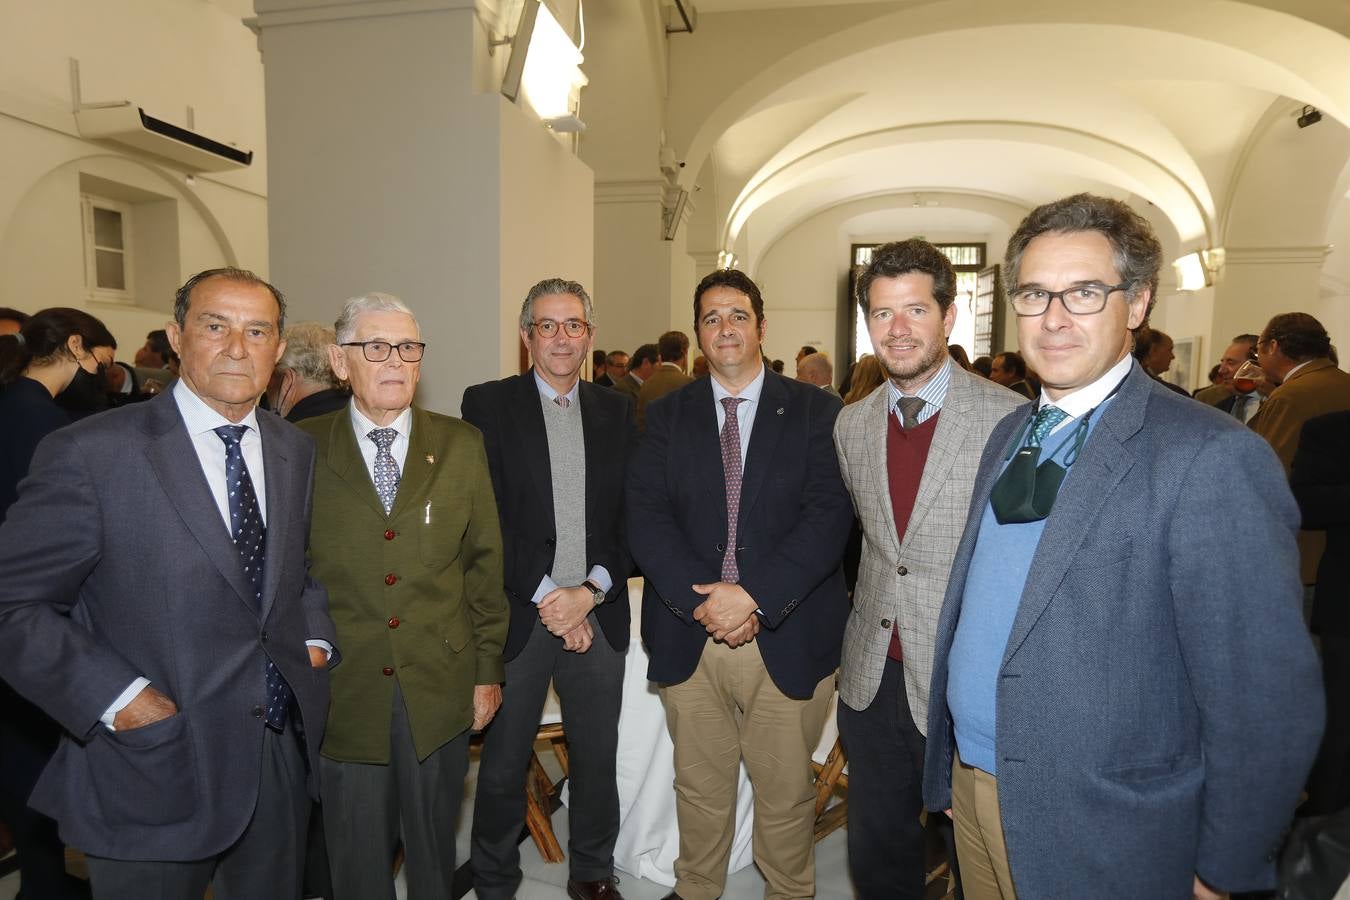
(985, 873)
(727, 711)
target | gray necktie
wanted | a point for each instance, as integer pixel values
(910, 407)
(1240, 407)
(386, 470)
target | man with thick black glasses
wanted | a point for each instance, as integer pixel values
(557, 447)
(1116, 709)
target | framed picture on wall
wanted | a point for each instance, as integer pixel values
(1182, 373)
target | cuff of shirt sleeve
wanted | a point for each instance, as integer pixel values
(600, 575)
(546, 584)
(322, 645)
(124, 698)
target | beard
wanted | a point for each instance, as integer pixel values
(930, 359)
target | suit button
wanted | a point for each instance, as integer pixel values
(257, 712)
(393, 622)
(388, 670)
(390, 578)
(551, 542)
(885, 623)
(901, 570)
(263, 637)
(389, 535)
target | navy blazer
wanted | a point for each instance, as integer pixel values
(1159, 702)
(508, 414)
(794, 520)
(176, 608)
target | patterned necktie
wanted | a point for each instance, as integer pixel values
(1046, 420)
(250, 540)
(1240, 407)
(562, 401)
(386, 470)
(910, 407)
(731, 469)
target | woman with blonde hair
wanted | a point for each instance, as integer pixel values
(867, 376)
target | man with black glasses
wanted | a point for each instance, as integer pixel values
(557, 447)
(1116, 709)
(405, 533)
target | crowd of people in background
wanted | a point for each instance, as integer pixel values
(1026, 574)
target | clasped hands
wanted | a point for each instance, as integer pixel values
(563, 612)
(728, 614)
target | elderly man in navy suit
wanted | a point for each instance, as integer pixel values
(190, 670)
(739, 519)
(1116, 709)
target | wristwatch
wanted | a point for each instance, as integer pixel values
(597, 593)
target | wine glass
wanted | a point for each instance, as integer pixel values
(1246, 377)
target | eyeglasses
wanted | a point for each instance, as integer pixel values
(378, 351)
(573, 328)
(1079, 300)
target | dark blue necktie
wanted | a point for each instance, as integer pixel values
(250, 539)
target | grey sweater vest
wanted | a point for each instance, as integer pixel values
(567, 463)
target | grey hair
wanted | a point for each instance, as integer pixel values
(1136, 250)
(817, 363)
(307, 352)
(345, 326)
(553, 286)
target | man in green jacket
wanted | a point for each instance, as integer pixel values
(406, 537)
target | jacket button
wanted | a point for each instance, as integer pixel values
(257, 712)
(885, 623)
(263, 637)
(393, 622)
(901, 570)
(390, 578)
(551, 542)
(389, 534)
(721, 548)
(388, 670)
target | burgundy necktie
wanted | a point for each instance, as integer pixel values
(731, 469)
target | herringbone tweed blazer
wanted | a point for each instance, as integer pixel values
(904, 581)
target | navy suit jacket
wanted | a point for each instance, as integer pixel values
(89, 603)
(512, 421)
(794, 520)
(1159, 702)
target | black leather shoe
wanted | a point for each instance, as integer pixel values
(605, 889)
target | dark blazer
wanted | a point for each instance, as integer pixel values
(1158, 706)
(794, 519)
(177, 609)
(508, 414)
(27, 415)
(1320, 478)
(319, 403)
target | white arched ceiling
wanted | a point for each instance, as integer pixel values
(1143, 98)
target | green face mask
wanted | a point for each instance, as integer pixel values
(1026, 492)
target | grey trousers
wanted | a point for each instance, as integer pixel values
(264, 864)
(590, 688)
(367, 807)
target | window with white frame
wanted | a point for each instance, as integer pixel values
(107, 248)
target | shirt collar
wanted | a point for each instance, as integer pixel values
(550, 394)
(363, 427)
(1089, 396)
(750, 393)
(934, 391)
(1288, 374)
(201, 418)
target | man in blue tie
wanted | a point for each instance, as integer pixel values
(1117, 710)
(190, 670)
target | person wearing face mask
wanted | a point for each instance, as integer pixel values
(40, 361)
(303, 385)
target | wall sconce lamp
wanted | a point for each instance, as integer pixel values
(1197, 270)
(545, 66)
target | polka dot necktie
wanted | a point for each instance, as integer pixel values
(386, 470)
(250, 539)
(1046, 420)
(731, 470)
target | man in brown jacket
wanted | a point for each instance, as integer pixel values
(1294, 351)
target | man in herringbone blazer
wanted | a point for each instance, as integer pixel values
(908, 453)
(406, 535)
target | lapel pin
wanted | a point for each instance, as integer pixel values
(780, 410)
(431, 458)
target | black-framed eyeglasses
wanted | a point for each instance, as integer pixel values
(1079, 300)
(573, 328)
(378, 351)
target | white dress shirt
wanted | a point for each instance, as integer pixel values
(745, 410)
(1078, 402)
(398, 449)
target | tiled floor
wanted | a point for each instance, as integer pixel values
(545, 881)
